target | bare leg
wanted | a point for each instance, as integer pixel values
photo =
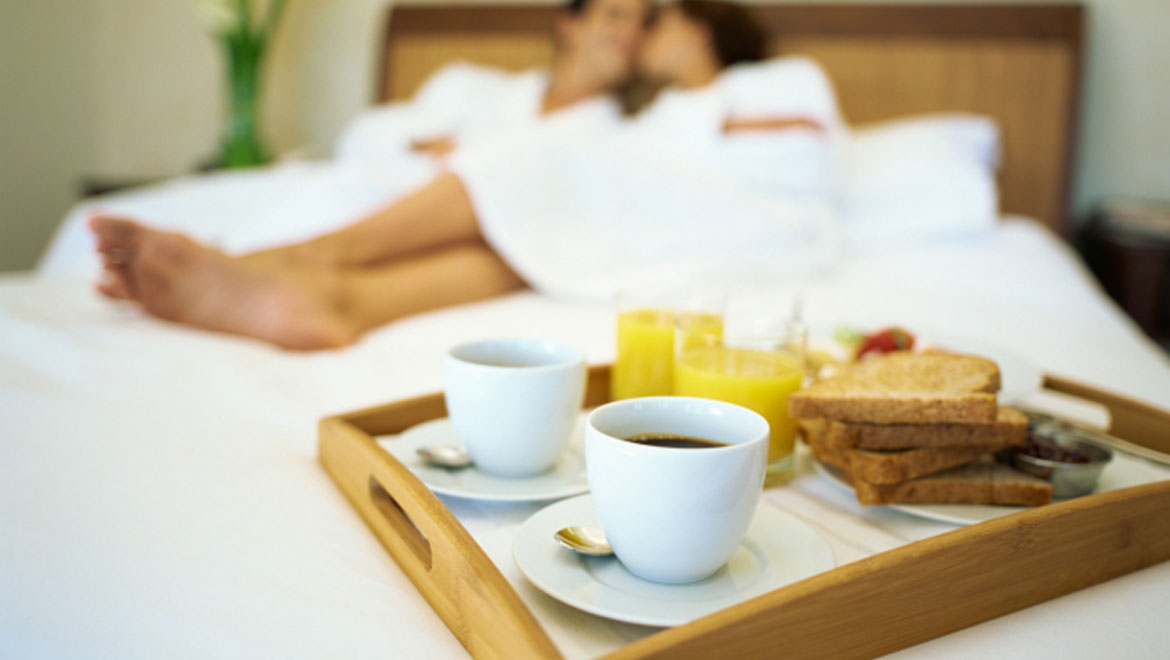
(437, 215)
(371, 297)
(296, 307)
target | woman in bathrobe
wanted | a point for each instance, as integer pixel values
(534, 211)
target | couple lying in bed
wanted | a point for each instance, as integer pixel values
(732, 164)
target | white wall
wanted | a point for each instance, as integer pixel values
(1125, 111)
(46, 129)
(161, 97)
(132, 88)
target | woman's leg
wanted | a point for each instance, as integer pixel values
(294, 306)
(370, 297)
(437, 215)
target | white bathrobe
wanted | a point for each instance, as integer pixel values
(469, 104)
(670, 198)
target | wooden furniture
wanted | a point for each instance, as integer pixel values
(1018, 64)
(1127, 244)
(866, 608)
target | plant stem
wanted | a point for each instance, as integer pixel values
(242, 146)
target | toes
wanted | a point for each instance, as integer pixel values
(116, 279)
(114, 284)
(117, 244)
(116, 260)
(113, 232)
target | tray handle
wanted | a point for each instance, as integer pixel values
(445, 564)
(1132, 421)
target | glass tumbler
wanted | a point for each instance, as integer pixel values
(757, 367)
(647, 326)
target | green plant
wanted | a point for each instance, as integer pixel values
(244, 29)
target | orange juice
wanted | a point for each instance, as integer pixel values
(759, 380)
(645, 349)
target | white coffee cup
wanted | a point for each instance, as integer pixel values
(514, 402)
(675, 515)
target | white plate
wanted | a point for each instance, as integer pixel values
(1122, 472)
(778, 549)
(565, 478)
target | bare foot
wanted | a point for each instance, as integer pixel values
(177, 279)
(115, 247)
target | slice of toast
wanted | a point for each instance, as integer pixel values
(979, 482)
(891, 467)
(826, 454)
(905, 388)
(1010, 428)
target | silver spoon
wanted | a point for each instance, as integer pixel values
(584, 540)
(448, 456)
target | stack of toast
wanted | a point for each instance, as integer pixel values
(918, 428)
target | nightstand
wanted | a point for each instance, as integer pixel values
(1127, 245)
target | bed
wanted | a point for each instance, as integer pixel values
(159, 490)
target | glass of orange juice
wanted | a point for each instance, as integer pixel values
(647, 327)
(754, 371)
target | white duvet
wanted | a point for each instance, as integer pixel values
(160, 497)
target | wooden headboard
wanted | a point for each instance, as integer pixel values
(1020, 65)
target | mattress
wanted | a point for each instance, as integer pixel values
(159, 491)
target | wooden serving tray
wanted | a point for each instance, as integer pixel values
(924, 589)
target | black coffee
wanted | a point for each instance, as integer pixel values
(673, 440)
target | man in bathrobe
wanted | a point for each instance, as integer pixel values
(464, 103)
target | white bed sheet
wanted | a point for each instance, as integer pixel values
(160, 496)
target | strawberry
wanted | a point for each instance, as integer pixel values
(886, 340)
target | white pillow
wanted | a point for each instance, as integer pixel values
(921, 177)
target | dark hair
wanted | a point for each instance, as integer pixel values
(735, 34)
(575, 6)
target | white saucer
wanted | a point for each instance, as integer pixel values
(779, 549)
(1122, 472)
(565, 478)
